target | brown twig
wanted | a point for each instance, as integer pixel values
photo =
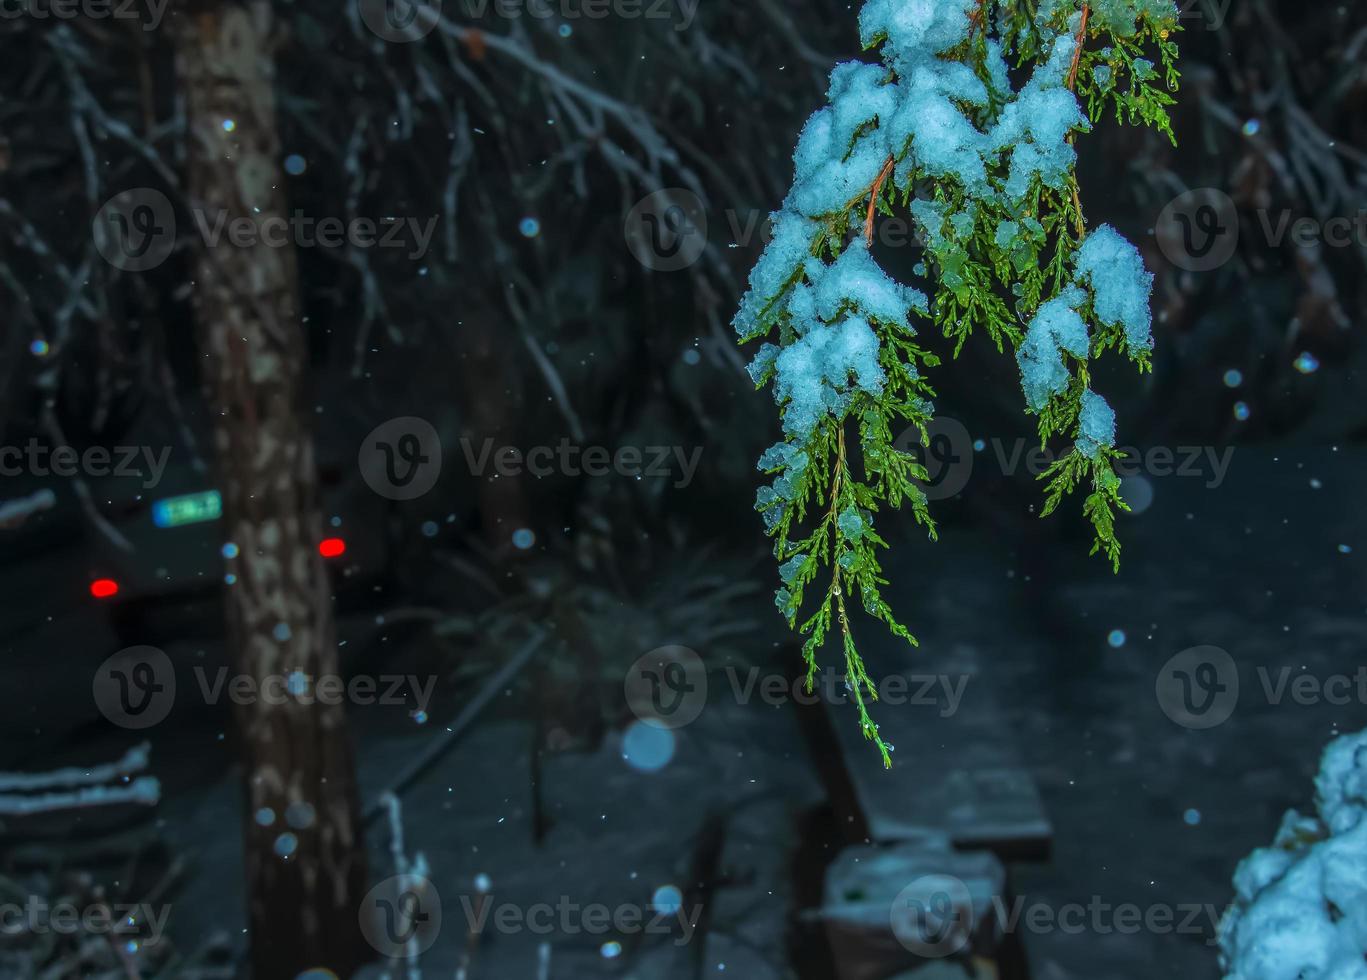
(1077, 47)
(833, 518)
(873, 200)
(976, 18)
(1072, 85)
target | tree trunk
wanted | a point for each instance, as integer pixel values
(305, 858)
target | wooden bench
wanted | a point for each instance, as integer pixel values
(955, 772)
(919, 906)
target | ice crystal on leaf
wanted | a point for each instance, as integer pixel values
(1120, 285)
(818, 374)
(1057, 328)
(986, 171)
(1096, 425)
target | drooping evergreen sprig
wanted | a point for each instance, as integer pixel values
(987, 171)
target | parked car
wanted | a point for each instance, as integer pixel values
(162, 571)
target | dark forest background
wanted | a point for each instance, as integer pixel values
(530, 320)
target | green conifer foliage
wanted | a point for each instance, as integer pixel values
(986, 170)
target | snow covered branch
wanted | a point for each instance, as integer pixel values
(987, 172)
(1301, 905)
(75, 788)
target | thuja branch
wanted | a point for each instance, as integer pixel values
(987, 172)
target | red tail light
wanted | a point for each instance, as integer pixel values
(103, 588)
(331, 547)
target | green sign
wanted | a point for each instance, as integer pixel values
(193, 508)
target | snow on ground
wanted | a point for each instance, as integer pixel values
(1268, 566)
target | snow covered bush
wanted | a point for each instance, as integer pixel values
(1300, 911)
(987, 172)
